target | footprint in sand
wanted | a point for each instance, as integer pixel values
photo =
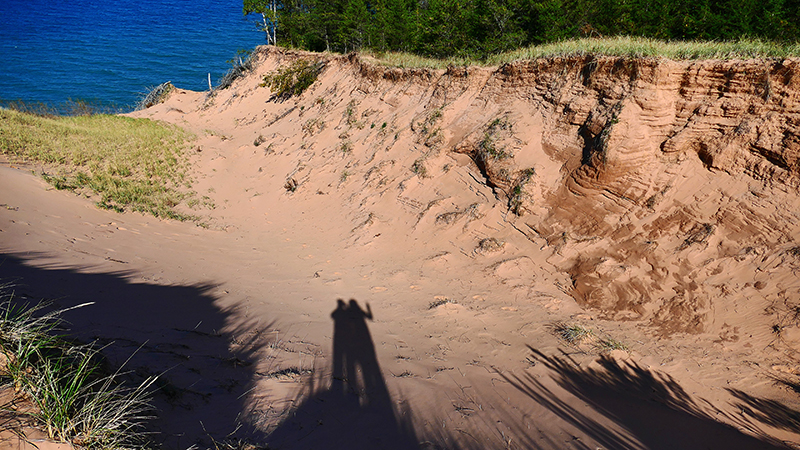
(553, 304)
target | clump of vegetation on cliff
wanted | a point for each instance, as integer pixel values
(293, 79)
(130, 164)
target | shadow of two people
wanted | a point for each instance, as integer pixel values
(355, 410)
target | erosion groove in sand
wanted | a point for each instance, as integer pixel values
(468, 213)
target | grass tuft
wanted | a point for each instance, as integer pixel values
(239, 68)
(75, 400)
(605, 345)
(584, 339)
(419, 168)
(411, 61)
(571, 334)
(639, 47)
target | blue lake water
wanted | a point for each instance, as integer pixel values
(109, 52)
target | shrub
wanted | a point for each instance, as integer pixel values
(419, 168)
(155, 95)
(294, 79)
(239, 68)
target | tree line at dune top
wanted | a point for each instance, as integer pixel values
(478, 29)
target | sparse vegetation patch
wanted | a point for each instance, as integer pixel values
(291, 185)
(346, 146)
(313, 126)
(489, 245)
(488, 150)
(419, 168)
(439, 301)
(241, 65)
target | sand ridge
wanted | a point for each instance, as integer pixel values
(410, 193)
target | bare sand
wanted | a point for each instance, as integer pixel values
(377, 305)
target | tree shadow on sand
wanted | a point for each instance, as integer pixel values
(650, 409)
(173, 331)
(768, 411)
(353, 409)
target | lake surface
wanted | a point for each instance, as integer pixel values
(110, 52)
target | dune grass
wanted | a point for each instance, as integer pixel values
(636, 47)
(624, 46)
(75, 400)
(130, 164)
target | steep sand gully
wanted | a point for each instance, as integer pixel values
(393, 257)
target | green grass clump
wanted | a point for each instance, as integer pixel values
(294, 79)
(75, 400)
(130, 164)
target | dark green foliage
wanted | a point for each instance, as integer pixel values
(480, 28)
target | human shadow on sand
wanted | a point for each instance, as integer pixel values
(354, 408)
(649, 409)
(174, 331)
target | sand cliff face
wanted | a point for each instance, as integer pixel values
(660, 188)
(678, 182)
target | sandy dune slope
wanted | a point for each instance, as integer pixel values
(393, 257)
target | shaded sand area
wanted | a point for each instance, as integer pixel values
(376, 274)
